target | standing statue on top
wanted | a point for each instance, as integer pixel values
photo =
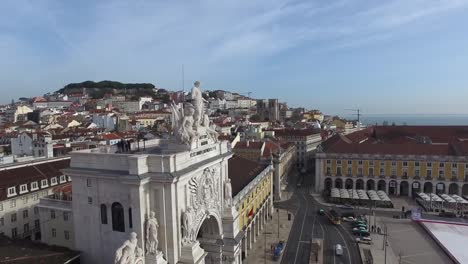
(189, 121)
(198, 102)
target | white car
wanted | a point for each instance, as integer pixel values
(364, 240)
(349, 219)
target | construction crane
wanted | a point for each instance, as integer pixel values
(357, 113)
(247, 93)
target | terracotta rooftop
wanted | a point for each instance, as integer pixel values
(402, 140)
(25, 174)
(295, 132)
(249, 145)
(242, 171)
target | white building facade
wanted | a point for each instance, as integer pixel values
(113, 194)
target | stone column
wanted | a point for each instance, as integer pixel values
(244, 244)
(250, 236)
(262, 218)
(257, 227)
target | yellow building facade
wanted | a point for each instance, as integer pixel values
(397, 175)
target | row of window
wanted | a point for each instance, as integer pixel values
(394, 163)
(66, 233)
(33, 186)
(13, 216)
(417, 172)
(66, 215)
(26, 228)
(25, 199)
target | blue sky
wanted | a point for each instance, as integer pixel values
(388, 57)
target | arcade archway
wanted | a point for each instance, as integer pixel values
(453, 188)
(359, 184)
(382, 186)
(339, 183)
(349, 184)
(428, 187)
(370, 185)
(328, 184)
(210, 238)
(404, 188)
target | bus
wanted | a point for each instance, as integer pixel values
(333, 216)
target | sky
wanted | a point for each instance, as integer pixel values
(384, 57)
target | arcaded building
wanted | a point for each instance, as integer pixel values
(400, 160)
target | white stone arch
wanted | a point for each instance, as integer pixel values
(208, 215)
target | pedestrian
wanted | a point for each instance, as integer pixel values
(378, 230)
(129, 146)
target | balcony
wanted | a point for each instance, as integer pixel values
(454, 178)
(441, 178)
(393, 176)
(382, 176)
(360, 175)
(466, 178)
(349, 175)
(404, 177)
(417, 177)
(428, 178)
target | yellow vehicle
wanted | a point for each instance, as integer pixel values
(333, 216)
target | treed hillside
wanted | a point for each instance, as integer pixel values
(98, 89)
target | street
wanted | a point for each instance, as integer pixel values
(308, 224)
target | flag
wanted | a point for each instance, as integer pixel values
(250, 213)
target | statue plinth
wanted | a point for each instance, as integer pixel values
(158, 258)
(192, 254)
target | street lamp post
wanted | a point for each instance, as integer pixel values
(264, 250)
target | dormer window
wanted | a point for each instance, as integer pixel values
(62, 179)
(23, 188)
(34, 186)
(53, 181)
(44, 184)
(11, 191)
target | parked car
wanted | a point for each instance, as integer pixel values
(321, 211)
(364, 240)
(358, 224)
(349, 219)
(359, 232)
(360, 228)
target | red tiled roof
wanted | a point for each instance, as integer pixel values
(111, 136)
(295, 132)
(242, 171)
(249, 145)
(30, 173)
(65, 188)
(402, 140)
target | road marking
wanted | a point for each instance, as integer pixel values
(344, 240)
(302, 227)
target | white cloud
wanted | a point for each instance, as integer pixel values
(141, 40)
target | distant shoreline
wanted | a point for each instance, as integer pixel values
(415, 119)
